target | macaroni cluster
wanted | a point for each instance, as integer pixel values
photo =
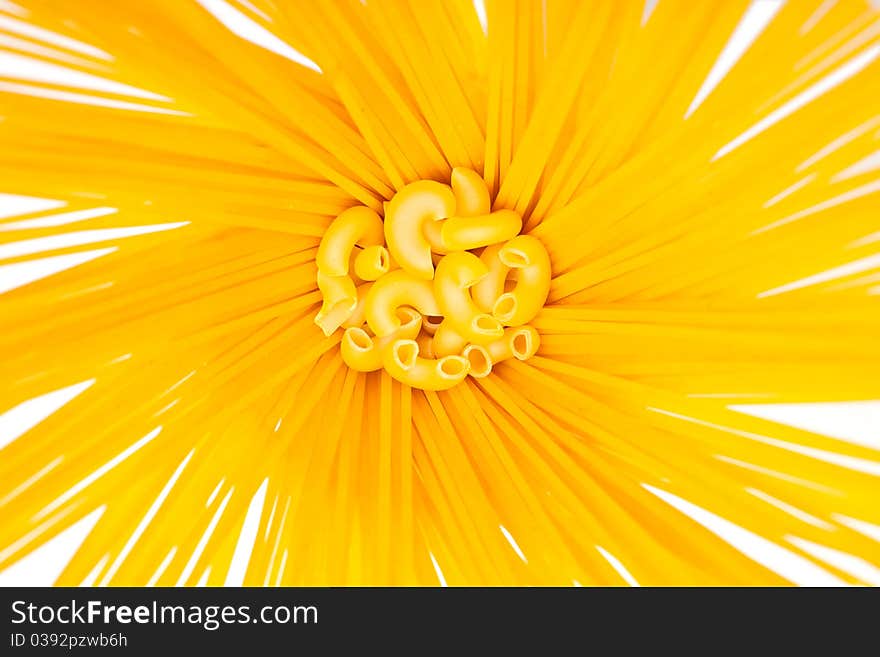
(441, 289)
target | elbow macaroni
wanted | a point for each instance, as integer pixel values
(471, 193)
(358, 315)
(403, 362)
(471, 200)
(406, 214)
(463, 233)
(363, 352)
(521, 343)
(526, 254)
(455, 274)
(359, 225)
(487, 290)
(447, 341)
(371, 263)
(393, 291)
(426, 345)
(340, 301)
(414, 299)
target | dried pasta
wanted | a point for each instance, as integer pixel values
(406, 214)
(358, 225)
(458, 297)
(709, 205)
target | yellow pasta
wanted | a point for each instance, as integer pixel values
(419, 227)
(491, 286)
(529, 257)
(358, 225)
(396, 289)
(199, 298)
(363, 352)
(456, 273)
(339, 301)
(521, 342)
(471, 193)
(426, 345)
(358, 315)
(371, 263)
(432, 232)
(479, 360)
(402, 361)
(406, 216)
(447, 341)
(465, 233)
(430, 323)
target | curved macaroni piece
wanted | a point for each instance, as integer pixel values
(351, 258)
(358, 225)
(371, 263)
(526, 254)
(402, 361)
(487, 290)
(455, 274)
(479, 359)
(447, 341)
(471, 200)
(521, 343)
(426, 345)
(524, 342)
(360, 351)
(340, 301)
(471, 193)
(465, 233)
(406, 216)
(358, 315)
(363, 352)
(431, 230)
(430, 323)
(395, 289)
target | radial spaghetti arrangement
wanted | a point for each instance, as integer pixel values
(399, 292)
